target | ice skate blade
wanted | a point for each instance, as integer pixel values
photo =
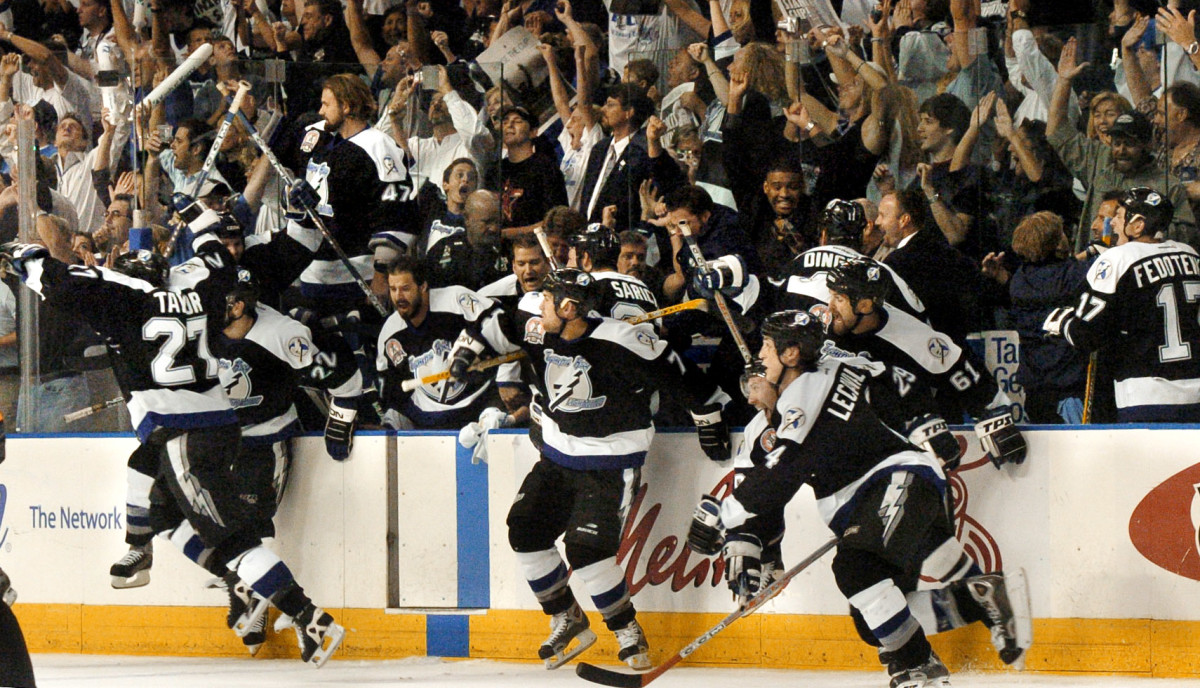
(1017, 587)
(137, 580)
(333, 638)
(586, 639)
(639, 662)
(253, 649)
(245, 622)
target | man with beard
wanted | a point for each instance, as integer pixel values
(1128, 163)
(474, 257)
(416, 342)
(458, 131)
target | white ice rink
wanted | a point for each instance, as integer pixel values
(97, 671)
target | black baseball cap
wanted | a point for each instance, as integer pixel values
(524, 114)
(1132, 125)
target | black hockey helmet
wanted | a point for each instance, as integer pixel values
(246, 290)
(795, 328)
(144, 265)
(574, 285)
(860, 278)
(1154, 209)
(600, 243)
(843, 223)
(228, 227)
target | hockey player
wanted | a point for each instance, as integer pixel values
(879, 494)
(15, 668)
(264, 356)
(1141, 304)
(177, 405)
(529, 270)
(416, 342)
(594, 377)
(624, 297)
(862, 322)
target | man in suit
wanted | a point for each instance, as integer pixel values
(621, 161)
(945, 280)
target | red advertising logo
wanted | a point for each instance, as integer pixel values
(1163, 528)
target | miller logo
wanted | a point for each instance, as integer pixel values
(1163, 526)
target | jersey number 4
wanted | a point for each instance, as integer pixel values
(1175, 348)
(183, 356)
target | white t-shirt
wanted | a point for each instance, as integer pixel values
(574, 161)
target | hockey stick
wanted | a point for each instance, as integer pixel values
(620, 679)
(410, 385)
(685, 231)
(191, 64)
(209, 162)
(288, 180)
(1089, 389)
(94, 408)
(544, 240)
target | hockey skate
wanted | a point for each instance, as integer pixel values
(564, 627)
(635, 651)
(316, 633)
(133, 570)
(247, 613)
(1005, 599)
(931, 674)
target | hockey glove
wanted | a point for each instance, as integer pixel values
(180, 202)
(339, 427)
(726, 274)
(743, 565)
(301, 196)
(474, 435)
(1056, 323)
(931, 433)
(705, 537)
(465, 352)
(1000, 438)
(535, 426)
(14, 254)
(713, 432)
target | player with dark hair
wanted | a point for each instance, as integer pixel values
(595, 250)
(594, 378)
(884, 499)
(1141, 305)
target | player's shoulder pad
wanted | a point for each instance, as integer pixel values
(385, 153)
(810, 286)
(110, 275)
(531, 303)
(393, 324)
(460, 300)
(639, 339)
(800, 404)
(934, 351)
(188, 275)
(286, 338)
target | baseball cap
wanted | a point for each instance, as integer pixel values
(1133, 125)
(525, 115)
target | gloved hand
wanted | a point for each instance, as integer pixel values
(705, 536)
(301, 196)
(1001, 439)
(931, 433)
(180, 202)
(713, 432)
(339, 427)
(465, 352)
(743, 565)
(475, 434)
(14, 254)
(727, 274)
(1056, 323)
(535, 426)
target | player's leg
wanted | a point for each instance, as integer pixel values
(15, 668)
(593, 536)
(537, 517)
(206, 491)
(133, 569)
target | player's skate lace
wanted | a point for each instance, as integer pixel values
(564, 626)
(931, 674)
(635, 651)
(989, 592)
(316, 633)
(133, 569)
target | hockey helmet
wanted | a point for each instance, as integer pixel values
(246, 290)
(795, 328)
(600, 243)
(144, 265)
(574, 285)
(228, 227)
(1154, 209)
(843, 223)
(860, 278)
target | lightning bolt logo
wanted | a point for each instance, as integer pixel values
(892, 508)
(566, 390)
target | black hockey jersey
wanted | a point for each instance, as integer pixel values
(828, 437)
(1142, 304)
(594, 391)
(261, 371)
(624, 297)
(406, 352)
(803, 281)
(364, 189)
(163, 334)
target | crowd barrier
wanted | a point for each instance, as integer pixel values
(406, 542)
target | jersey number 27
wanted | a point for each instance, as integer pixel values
(183, 356)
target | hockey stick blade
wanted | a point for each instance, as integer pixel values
(620, 679)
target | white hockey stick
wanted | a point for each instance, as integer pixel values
(191, 64)
(685, 231)
(540, 233)
(94, 408)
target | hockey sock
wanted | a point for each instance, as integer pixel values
(886, 613)
(188, 541)
(547, 575)
(949, 562)
(605, 583)
(268, 576)
(137, 507)
(936, 610)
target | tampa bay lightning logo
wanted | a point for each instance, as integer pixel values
(938, 348)
(569, 385)
(1103, 267)
(793, 419)
(238, 385)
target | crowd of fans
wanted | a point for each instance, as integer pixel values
(987, 145)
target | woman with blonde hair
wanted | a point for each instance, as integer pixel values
(1104, 109)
